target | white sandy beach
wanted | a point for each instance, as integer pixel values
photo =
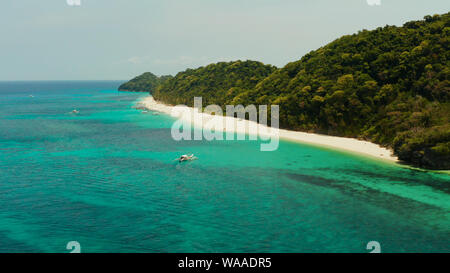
(340, 143)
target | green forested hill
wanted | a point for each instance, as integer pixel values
(390, 86)
(146, 82)
(216, 83)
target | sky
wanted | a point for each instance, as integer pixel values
(119, 39)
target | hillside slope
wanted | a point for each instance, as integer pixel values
(146, 82)
(215, 83)
(390, 86)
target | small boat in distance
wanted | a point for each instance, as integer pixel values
(31, 96)
(75, 111)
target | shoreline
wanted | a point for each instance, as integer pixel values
(339, 143)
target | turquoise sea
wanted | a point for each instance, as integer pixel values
(106, 178)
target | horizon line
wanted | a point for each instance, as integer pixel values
(62, 80)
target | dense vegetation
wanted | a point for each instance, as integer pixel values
(216, 83)
(146, 82)
(390, 86)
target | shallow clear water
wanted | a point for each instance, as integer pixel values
(106, 178)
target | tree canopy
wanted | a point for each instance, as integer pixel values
(390, 86)
(216, 83)
(146, 82)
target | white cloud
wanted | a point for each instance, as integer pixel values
(135, 60)
(182, 60)
(374, 2)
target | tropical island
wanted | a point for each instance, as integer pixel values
(144, 83)
(389, 86)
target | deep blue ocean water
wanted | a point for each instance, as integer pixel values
(106, 178)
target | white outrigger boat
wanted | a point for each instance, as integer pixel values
(186, 158)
